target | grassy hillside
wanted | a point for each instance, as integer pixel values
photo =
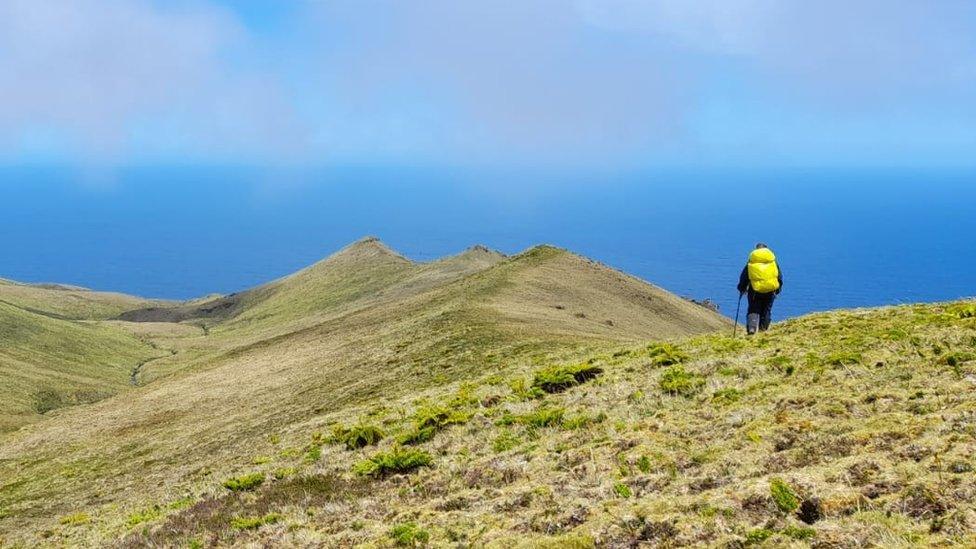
(49, 363)
(363, 328)
(844, 429)
(68, 302)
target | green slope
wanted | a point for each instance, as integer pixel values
(48, 363)
(68, 302)
(363, 328)
(859, 422)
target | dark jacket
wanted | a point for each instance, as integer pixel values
(746, 286)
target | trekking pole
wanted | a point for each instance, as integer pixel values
(736, 325)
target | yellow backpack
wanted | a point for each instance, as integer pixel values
(763, 271)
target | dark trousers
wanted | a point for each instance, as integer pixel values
(760, 312)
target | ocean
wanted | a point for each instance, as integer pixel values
(844, 238)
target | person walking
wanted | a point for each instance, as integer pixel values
(763, 280)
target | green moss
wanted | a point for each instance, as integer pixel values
(397, 460)
(677, 381)
(783, 495)
(409, 534)
(245, 483)
(556, 379)
(622, 490)
(251, 523)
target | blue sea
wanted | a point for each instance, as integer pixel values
(845, 238)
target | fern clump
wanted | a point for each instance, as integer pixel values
(783, 495)
(666, 354)
(556, 379)
(358, 436)
(428, 420)
(542, 417)
(677, 381)
(397, 460)
(522, 390)
(251, 523)
(245, 483)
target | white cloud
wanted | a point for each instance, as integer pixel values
(104, 77)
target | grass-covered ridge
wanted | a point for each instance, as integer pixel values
(850, 428)
(362, 352)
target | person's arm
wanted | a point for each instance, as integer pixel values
(744, 280)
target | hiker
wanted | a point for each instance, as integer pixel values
(763, 280)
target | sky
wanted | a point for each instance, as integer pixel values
(500, 84)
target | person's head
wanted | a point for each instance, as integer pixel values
(761, 246)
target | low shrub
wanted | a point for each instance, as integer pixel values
(677, 381)
(397, 460)
(556, 379)
(245, 483)
(251, 523)
(409, 534)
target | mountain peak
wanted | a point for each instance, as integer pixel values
(369, 246)
(482, 250)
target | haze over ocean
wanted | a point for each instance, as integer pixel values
(845, 238)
